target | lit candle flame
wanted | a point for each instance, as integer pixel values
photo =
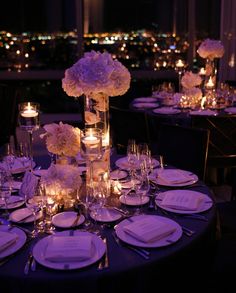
(180, 63)
(210, 84)
(203, 102)
(202, 71)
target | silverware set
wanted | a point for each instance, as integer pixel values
(104, 262)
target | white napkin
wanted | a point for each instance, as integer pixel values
(182, 201)
(21, 214)
(29, 185)
(69, 248)
(174, 176)
(149, 229)
(7, 239)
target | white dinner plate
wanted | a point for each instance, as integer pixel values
(20, 213)
(203, 113)
(230, 110)
(166, 111)
(133, 200)
(67, 219)
(189, 177)
(205, 205)
(15, 185)
(15, 246)
(118, 174)
(98, 250)
(170, 239)
(145, 105)
(12, 202)
(129, 184)
(106, 215)
(18, 166)
(145, 100)
(123, 163)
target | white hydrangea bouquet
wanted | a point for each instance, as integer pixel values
(62, 177)
(96, 74)
(210, 49)
(190, 83)
(62, 139)
(190, 80)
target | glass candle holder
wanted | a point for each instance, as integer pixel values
(29, 121)
(29, 116)
(91, 143)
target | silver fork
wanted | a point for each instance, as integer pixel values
(187, 231)
(104, 262)
(140, 251)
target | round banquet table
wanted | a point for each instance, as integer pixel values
(176, 266)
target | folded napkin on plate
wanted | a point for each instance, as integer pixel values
(69, 248)
(22, 214)
(29, 185)
(182, 201)
(149, 229)
(7, 239)
(174, 176)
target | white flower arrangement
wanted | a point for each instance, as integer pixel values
(61, 177)
(62, 139)
(194, 92)
(190, 80)
(96, 74)
(211, 49)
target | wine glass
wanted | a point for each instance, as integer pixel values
(29, 121)
(142, 187)
(34, 206)
(24, 154)
(50, 210)
(5, 193)
(9, 157)
(132, 154)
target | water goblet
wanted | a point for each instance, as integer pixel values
(5, 193)
(34, 206)
(24, 154)
(50, 210)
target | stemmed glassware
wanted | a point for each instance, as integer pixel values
(143, 185)
(5, 193)
(132, 157)
(29, 121)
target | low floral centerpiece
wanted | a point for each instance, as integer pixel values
(192, 94)
(61, 182)
(62, 139)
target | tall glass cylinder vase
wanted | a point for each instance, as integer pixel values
(210, 81)
(96, 115)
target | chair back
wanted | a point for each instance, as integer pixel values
(184, 147)
(126, 124)
(222, 141)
